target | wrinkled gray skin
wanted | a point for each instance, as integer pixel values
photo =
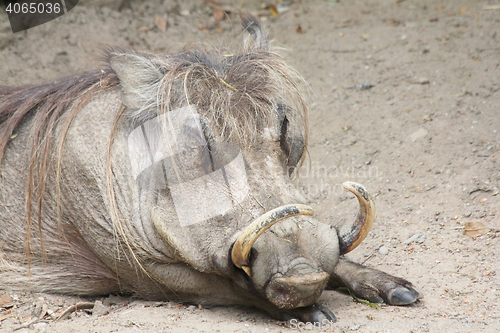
(291, 263)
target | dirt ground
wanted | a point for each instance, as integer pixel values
(404, 98)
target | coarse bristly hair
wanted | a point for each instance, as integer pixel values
(237, 91)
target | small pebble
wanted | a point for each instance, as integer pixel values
(422, 80)
(40, 327)
(420, 239)
(412, 238)
(418, 134)
(365, 86)
(100, 309)
(383, 250)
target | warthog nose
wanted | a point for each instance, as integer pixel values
(296, 291)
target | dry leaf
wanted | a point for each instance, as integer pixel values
(145, 28)
(218, 14)
(221, 5)
(346, 128)
(299, 30)
(494, 7)
(5, 300)
(161, 22)
(273, 10)
(394, 22)
(474, 229)
(40, 310)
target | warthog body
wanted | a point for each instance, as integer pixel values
(145, 178)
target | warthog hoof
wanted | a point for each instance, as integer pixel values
(403, 295)
(378, 287)
(373, 285)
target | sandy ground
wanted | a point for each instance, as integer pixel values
(405, 98)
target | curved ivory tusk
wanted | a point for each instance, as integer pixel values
(351, 235)
(244, 243)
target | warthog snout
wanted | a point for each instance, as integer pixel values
(288, 275)
(296, 291)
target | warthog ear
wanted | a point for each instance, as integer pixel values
(139, 79)
(252, 25)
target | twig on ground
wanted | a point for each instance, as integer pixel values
(37, 320)
(74, 308)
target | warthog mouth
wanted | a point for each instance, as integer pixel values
(296, 291)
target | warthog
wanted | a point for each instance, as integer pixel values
(170, 177)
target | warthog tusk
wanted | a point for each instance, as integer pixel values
(244, 243)
(352, 234)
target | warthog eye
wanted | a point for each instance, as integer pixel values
(292, 140)
(252, 256)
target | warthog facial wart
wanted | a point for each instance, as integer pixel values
(171, 176)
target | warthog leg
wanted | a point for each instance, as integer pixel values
(373, 285)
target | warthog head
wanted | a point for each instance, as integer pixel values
(231, 133)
